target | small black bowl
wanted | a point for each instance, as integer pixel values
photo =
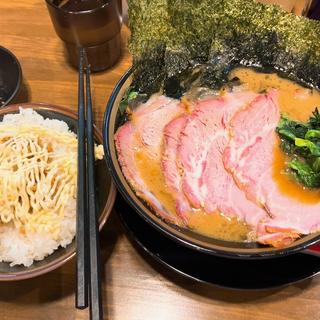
(10, 76)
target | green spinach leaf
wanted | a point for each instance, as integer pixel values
(129, 95)
(301, 141)
(305, 174)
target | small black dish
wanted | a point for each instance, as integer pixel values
(223, 272)
(10, 76)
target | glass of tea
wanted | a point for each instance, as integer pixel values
(92, 24)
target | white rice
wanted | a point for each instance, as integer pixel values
(23, 249)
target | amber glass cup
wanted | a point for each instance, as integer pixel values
(92, 24)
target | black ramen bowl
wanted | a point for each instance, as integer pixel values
(10, 76)
(187, 237)
(105, 190)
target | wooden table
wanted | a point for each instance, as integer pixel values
(135, 287)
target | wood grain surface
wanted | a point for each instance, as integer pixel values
(134, 286)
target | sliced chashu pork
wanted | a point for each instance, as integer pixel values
(250, 159)
(144, 133)
(170, 168)
(204, 180)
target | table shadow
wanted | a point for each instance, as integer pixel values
(212, 291)
(108, 238)
(23, 94)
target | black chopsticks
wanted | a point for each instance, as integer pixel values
(82, 232)
(87, 238)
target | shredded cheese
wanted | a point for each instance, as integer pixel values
(38, 175)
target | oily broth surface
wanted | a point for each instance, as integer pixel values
(286, 183)
(213, 225)
(298, 103)
(295, 101)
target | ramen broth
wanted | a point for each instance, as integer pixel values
(287, 184)
(214, 225)
(295, 101)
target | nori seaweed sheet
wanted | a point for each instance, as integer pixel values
(171, 37)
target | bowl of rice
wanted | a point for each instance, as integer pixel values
(38, 176)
